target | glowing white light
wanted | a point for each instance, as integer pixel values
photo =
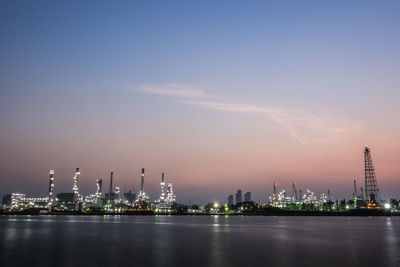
(387, 206)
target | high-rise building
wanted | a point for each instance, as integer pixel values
(239, 197)
(230, 200)
(247, 197)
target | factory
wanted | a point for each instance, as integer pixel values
(115, 202)
(166, 200)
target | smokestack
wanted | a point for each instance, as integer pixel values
(301, 195)
(111, 182)
(329, 195)
(355, 189)
(142, 183)
(294, 191)
(274, 184)
(162, 178)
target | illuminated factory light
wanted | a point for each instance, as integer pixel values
(51, 189)
(142, 196)
(167, 199)
(75, 188)
(170, 194)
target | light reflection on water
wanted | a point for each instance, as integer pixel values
(199, 241)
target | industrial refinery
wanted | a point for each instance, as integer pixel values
(294, 200)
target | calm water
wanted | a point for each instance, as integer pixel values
(199, 241)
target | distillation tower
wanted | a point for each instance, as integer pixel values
(164, 203)
(274, 196)
(162, 196)
(99, 189)
(51, 189)
(294, 192)
(75, 188)
(170, 194)
(142, 196)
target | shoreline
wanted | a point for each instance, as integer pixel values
(274, 212)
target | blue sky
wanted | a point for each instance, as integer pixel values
(105, 85)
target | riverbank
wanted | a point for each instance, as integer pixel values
(265, 212)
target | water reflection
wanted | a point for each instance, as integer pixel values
(392, 243)
(199, 241)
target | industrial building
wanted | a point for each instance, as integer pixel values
(166, 200)
(19, 201)
(114, 202)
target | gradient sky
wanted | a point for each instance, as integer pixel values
(220, 95)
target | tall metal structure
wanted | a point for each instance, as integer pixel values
(142, 181)
(162, 196)
(75, 189)
(142, 196)
(170, 194)
(51, 189)
(99, 188)
(111, 184)
(294, 191)
(274, 195)
(355, 189)
(371, 183)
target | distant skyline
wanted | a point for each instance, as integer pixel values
(220, 95)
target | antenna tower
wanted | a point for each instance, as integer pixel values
(371, 184)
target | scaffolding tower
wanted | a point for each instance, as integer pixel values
(371, 183)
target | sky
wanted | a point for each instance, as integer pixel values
(219, 95)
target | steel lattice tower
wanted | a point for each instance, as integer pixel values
(371, 184)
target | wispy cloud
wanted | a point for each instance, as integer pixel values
(304, 126)
(171, 89)
(301, 125)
